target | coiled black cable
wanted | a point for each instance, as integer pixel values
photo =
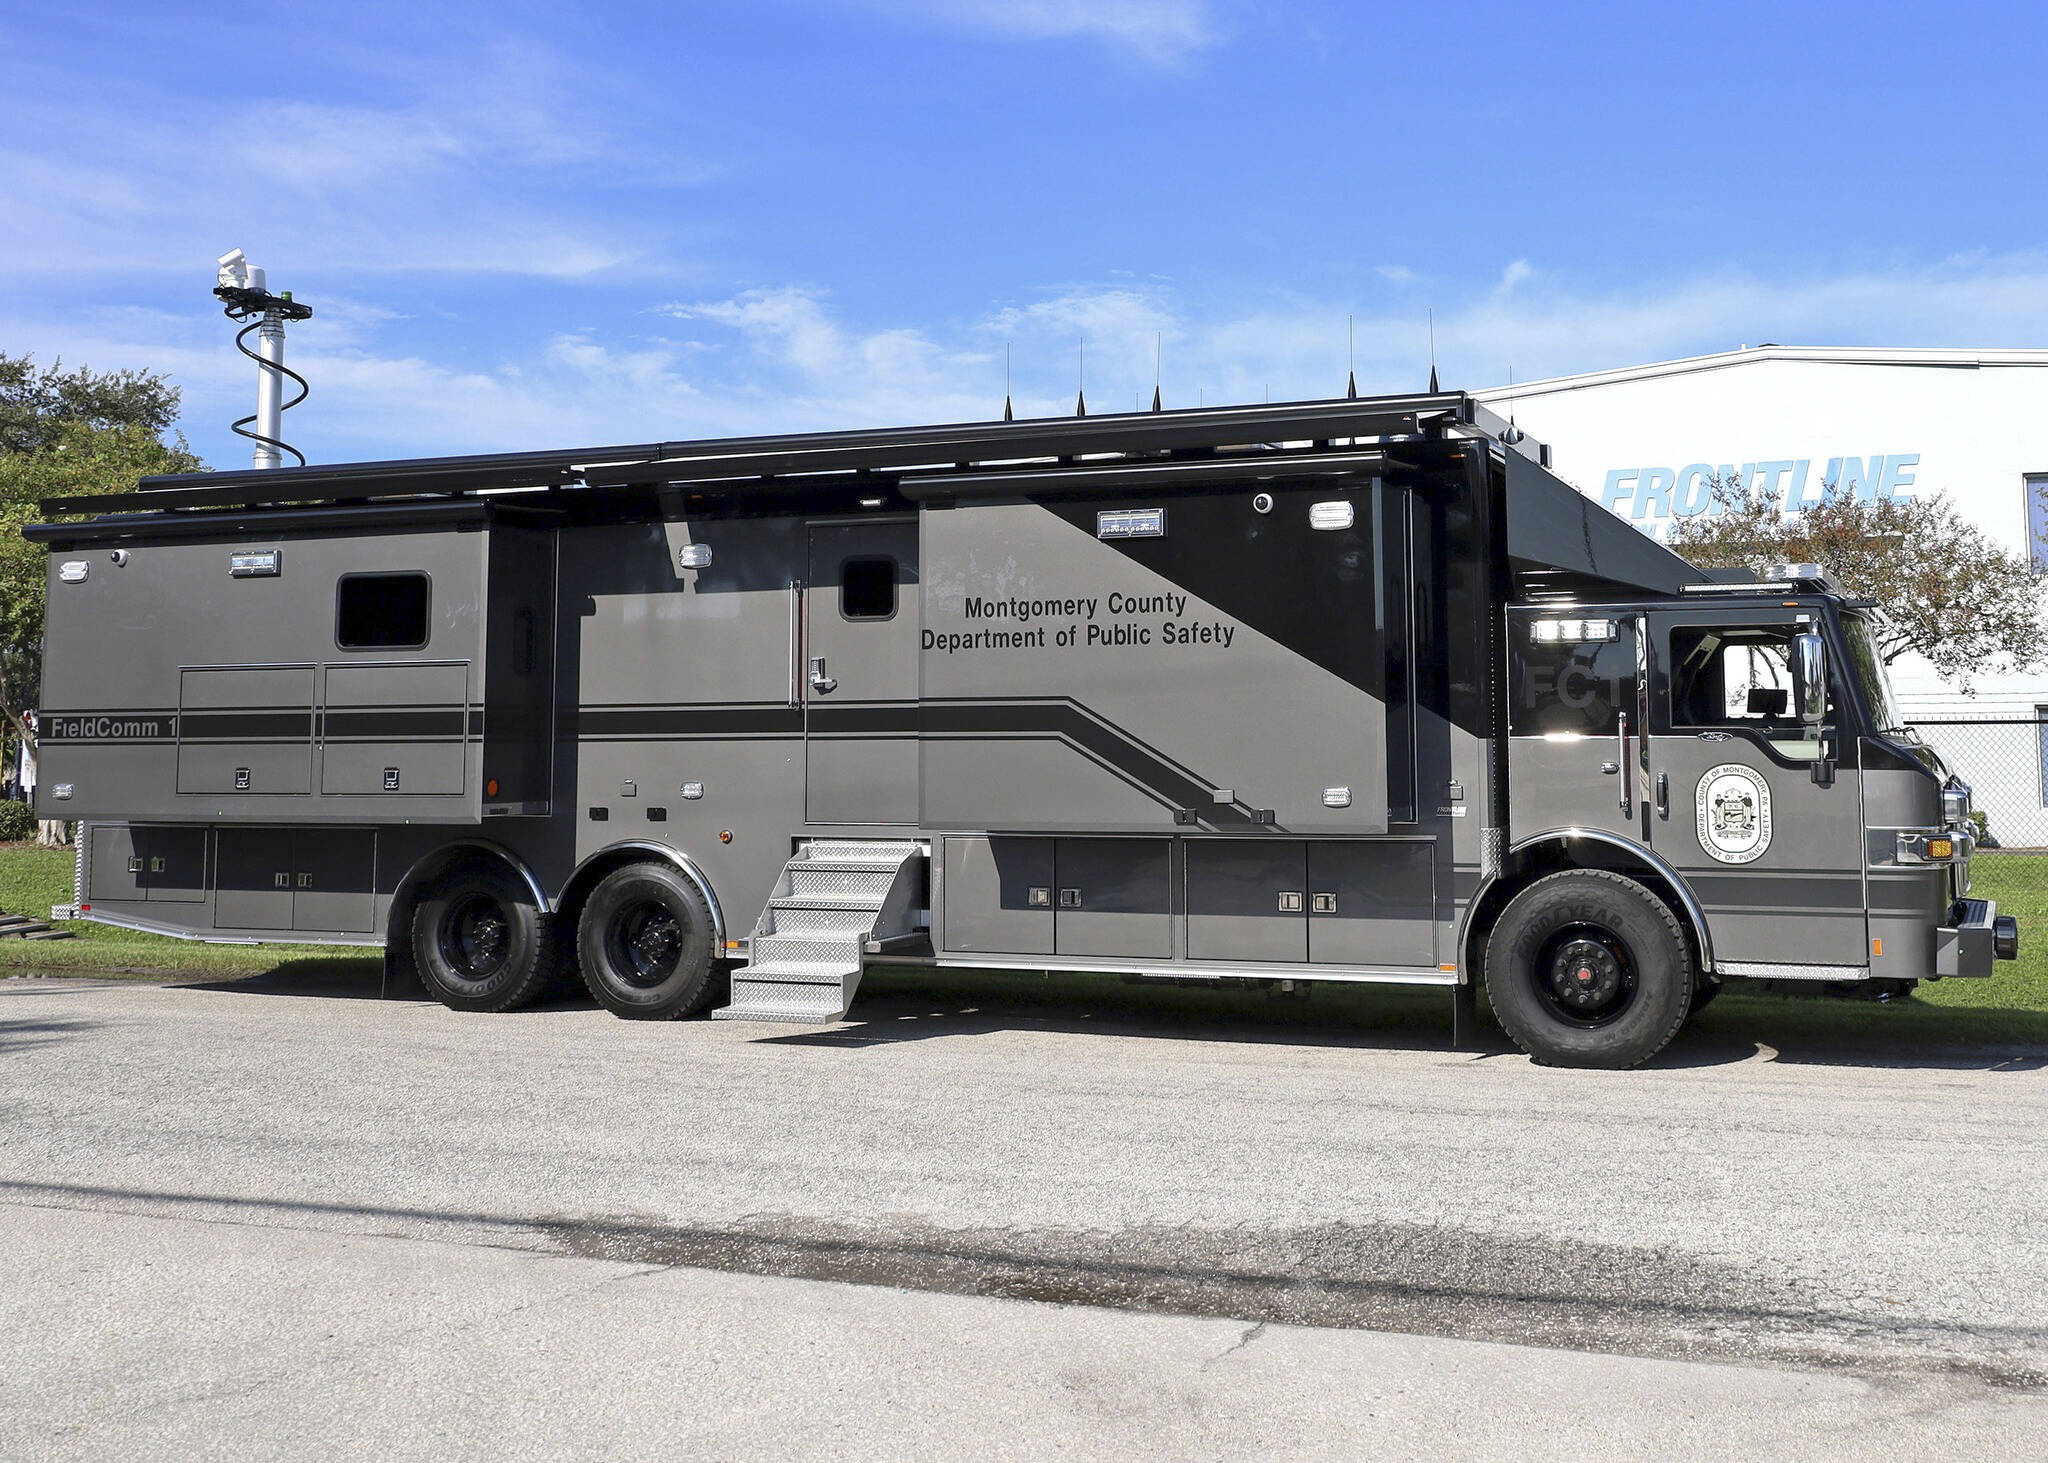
(241, 428)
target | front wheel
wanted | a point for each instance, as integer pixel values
(647, 944)
(1589, 969)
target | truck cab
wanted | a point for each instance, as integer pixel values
(1738, 749)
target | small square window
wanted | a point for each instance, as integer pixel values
(381, 611)
(867, 589)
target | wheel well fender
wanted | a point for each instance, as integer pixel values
(430, 866)
(1578, 848)
(639, 851)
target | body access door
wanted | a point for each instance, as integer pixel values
(1759, 811)
(1575, 723)
(860, 673)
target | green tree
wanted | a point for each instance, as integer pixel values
(66, 432)
(1949, 591)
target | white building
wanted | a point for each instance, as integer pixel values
(1646, 441)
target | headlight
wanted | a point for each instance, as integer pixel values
(1955, 803)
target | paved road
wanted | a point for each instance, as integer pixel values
(242, 1208)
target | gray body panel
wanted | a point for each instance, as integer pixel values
(1248, 723)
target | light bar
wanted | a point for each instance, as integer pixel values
(1570, 632)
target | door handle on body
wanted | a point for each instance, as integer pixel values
(821, 682)
(1663, 794)
(1628, 802)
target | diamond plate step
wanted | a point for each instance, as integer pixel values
(805, 959)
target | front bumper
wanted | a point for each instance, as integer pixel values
(1976, 937)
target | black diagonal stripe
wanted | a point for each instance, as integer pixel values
(1113, 746)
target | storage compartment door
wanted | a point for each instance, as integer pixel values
(253, 882)
(998, 895)
(396, 730)
(173, 863)
(1372, 903)
(1246, 899)
(245, 729)
(1113, 897)
(114, 870)
(334, 880)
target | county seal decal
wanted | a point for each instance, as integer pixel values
(1734, 814)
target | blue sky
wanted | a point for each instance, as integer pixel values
(523, 225)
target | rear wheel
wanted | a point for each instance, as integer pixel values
(480, 942)
(1589, 969)
(647, 944)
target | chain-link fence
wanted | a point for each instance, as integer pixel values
(2005, 761)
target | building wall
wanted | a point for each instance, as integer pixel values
(1791, 420)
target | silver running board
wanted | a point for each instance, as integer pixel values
(835, 895)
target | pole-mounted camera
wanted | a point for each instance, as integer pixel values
(245, 294)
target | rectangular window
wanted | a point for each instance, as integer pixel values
(2041, 740)
(2037, 518)
(381, 611)
(867, 589)
(1574, 688)
(1729, 677)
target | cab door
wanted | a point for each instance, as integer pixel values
(860, 630)
(1760, 812)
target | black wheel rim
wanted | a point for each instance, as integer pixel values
(645, 943)
(476, 937)
(1586, 975)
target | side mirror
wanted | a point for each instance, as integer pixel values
(1811, 676)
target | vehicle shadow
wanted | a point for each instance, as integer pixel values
(355, 980)
(923, 1004)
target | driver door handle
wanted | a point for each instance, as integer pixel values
(820, 682)
(1663, 794)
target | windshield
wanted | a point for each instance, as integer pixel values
(1868, 667)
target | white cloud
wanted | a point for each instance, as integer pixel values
(1160, 32)
(788, 358)
(1397, 273)
(458, 173)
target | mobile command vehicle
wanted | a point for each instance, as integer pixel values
(1353, 690)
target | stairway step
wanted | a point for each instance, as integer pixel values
(49, 935)
(847, 902)
(779, 1000)
(857, 850)
(797, 971)
(823, 924)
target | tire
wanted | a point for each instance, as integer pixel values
(480, 943)
(647, 944)
(1589, 969)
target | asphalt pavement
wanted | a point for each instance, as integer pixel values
(251, 1217)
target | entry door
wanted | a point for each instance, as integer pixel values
(860, 673)
(1775, 857)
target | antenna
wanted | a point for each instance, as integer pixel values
(1008, 415)
(1433, 387)
(1081, 391)
(1158, 363)
(1351, 346)
(245, 295)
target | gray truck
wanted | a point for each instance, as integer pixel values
(1352, 690)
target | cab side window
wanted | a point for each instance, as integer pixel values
(1732, 677)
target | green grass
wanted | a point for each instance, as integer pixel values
(32, 879)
